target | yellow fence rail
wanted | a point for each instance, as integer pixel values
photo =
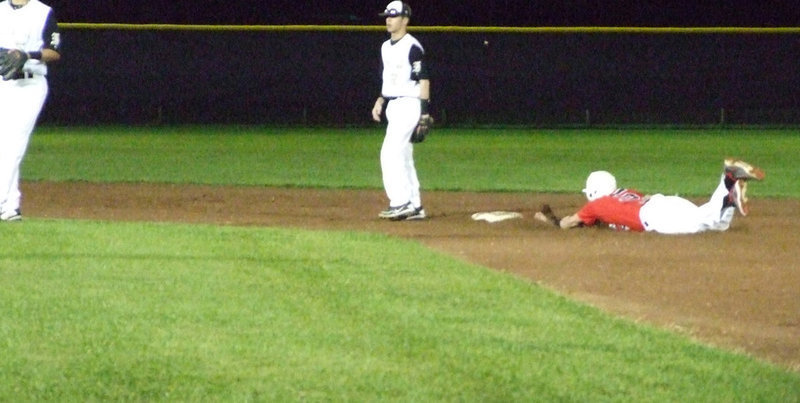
(454, 29)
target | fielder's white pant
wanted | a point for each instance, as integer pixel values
(397, 153)
(676, 215)
(21, 101)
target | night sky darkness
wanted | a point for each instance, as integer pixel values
(680, 13)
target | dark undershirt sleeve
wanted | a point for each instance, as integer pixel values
(419, 69)
(50, 35)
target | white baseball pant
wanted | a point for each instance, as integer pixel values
(21, 101)
(676, 215)
(397, 153)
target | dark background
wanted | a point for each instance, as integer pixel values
(332, 78)
(429, 12)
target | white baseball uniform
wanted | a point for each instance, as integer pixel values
(676, 215)
(29, 28)
(403, 67)
(627, 209)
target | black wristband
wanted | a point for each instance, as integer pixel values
(35, 55)
(424, 106)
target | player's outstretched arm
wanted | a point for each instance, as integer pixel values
(546, 215)
(571, 221)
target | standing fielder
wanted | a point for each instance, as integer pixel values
(29, 39)
(406, 96)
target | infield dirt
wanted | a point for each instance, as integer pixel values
(739, 289)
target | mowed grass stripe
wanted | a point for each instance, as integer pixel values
(111, 311)
(671, 161)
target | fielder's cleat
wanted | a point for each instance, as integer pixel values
(737, 196)
(399, 212)
(739, 169)
(13, 215)
(385, 213)
(419, 214)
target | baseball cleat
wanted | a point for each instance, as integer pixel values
(738, 197)
(419, 214)
(725, 219)
(13, 215)
(739, 169)
(399, 212)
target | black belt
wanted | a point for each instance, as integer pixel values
(393, 98)
(23, 75)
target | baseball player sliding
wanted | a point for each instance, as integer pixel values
(406, 96)
(29, 39)
(627, 209)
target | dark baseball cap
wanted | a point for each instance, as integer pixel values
(396, 9)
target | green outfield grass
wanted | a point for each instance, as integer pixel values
(138, 311)
(670, 161)
(98, 311)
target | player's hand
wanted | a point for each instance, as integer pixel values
(377, 109)
(539, 216)
(546, 215)
(422, 130)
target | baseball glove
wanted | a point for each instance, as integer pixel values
(11, 62)
(546, 215)
(422, 130)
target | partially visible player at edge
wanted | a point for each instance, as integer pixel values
(406, 96)
(29, 27)
(627, 209)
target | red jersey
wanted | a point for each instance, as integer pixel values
(619, 209)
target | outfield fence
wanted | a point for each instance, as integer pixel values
(330, 75)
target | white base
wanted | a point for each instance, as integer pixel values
(495, 216)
